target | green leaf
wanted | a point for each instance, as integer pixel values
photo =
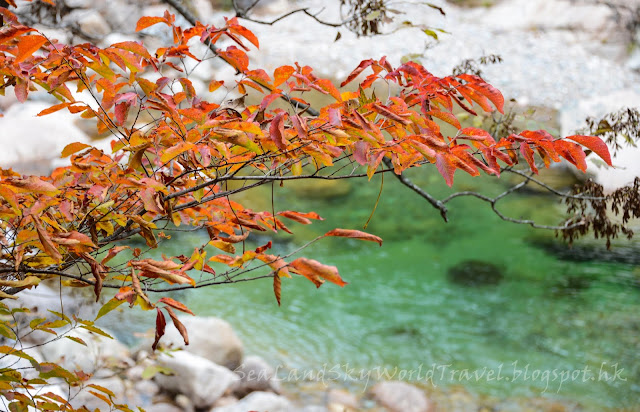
(7, 332)
(61, 316)
(108, 307)
(431, 33)
(373, 15)
(97, 330)
(153, 370)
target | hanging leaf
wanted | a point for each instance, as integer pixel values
(178, 325)
(161, 323)
(354, 234)
(595, 144)
(312, 270)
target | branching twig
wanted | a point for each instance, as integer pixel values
(180, 8)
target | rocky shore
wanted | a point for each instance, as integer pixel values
(214, 374)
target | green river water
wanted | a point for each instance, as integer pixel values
(524, 336)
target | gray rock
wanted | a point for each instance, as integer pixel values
(90, 23)
(79, 4)
(399, 396)
(209, 337)
(199, 379)
(259, 402)
(225, 401)
(23, 146)
(164, 407)
(255, 375)
(97, 357)
(185, 404)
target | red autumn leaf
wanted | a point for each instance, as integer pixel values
(386, 112)
(527, 153)
(276, 131)
(445, 116)
(133, 47)
(363, 65)
(445, 167)
(572, 152)
(595, 144)
(354, 234)
(472, 133)
(277, 282)
(161, 324)
(21, 90)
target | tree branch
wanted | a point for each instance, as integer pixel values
(432, 200)
(243, 15)
(180, 8)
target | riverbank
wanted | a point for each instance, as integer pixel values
(214, 373)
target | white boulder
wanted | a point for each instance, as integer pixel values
(199, 379)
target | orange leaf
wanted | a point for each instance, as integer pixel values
(214, 85)
(329, 87)
(354, 234)
(176, 150)
(300, 217)
(146, 21)
(29, 45)
(12, 32)
(594, 144)
(47, 244)
(312, 270)
(73, 148)
(176, 305)
(32, 184)
(53, 109)
(282, 74)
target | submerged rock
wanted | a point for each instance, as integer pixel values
(475, 273)
(399, 396)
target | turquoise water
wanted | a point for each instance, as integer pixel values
(401, 313)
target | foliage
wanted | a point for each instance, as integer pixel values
(181, 168)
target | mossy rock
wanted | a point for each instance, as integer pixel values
(475, 273)
(570, 285)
